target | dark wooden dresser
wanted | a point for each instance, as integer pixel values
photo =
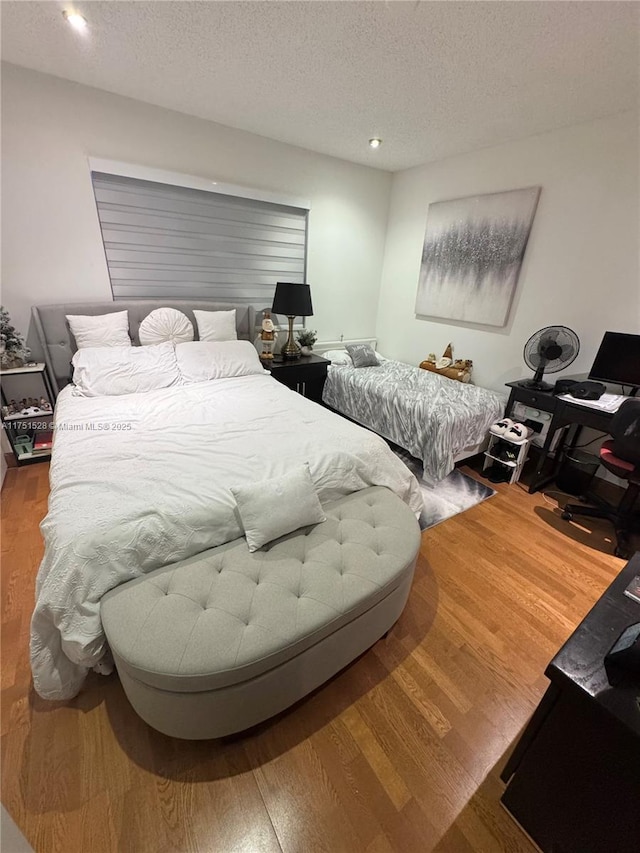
(573, 780)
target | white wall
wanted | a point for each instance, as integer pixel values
(581, 265)
(52, 250)
(580, 269)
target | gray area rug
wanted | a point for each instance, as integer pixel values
(11, 839)
(455, 494)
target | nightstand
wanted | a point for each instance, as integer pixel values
(306, 374)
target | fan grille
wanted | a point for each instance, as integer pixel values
(551, 348)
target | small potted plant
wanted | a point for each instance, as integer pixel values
(306, 339)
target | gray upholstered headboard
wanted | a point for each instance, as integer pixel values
(59, 345)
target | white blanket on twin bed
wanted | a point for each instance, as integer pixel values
(141, 481)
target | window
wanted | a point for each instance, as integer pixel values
(162, 240)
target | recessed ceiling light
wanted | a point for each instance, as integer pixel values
(75, 20)
(375, 142)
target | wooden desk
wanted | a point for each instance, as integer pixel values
(563, 414)
(574, 776)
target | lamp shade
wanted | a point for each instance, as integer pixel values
(292, 300)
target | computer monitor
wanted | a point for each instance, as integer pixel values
(618, 360)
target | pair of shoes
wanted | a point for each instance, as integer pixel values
(514, 432)
(506, 453)
(498, 473)
(501, 426)
(518, 433)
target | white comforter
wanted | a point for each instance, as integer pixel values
(141, 481)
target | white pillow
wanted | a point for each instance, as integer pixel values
(111, 371)
(200, 361)
(273, 508)
(216, 325)
(165, 324)
(102, 330)
(338, 357)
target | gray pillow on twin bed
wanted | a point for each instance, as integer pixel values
(362, 355)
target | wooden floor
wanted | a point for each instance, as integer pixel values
(400, 752)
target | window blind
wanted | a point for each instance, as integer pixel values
(175, 242)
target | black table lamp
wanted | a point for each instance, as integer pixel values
(292, 300)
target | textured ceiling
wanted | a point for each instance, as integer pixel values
(432, 79)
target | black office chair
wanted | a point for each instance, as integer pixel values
(621, 455)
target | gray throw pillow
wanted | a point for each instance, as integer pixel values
(362, 355)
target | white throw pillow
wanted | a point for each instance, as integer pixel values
(201, 361)
(101, 330)
(216, 325)
(273, 508)
(338, 357)
(111, 371)
(165, 324)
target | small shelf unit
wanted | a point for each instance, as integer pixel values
(521, 448)
(29, 427)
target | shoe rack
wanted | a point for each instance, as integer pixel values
(494, 455)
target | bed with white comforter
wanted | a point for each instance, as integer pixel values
(139, 481)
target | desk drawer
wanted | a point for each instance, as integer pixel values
(536, 399)
(587, 417)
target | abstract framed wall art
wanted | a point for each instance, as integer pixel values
(472, 254)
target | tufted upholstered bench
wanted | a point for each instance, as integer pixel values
(226, 639)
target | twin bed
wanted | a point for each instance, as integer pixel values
(142, 480)
(438, 420)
